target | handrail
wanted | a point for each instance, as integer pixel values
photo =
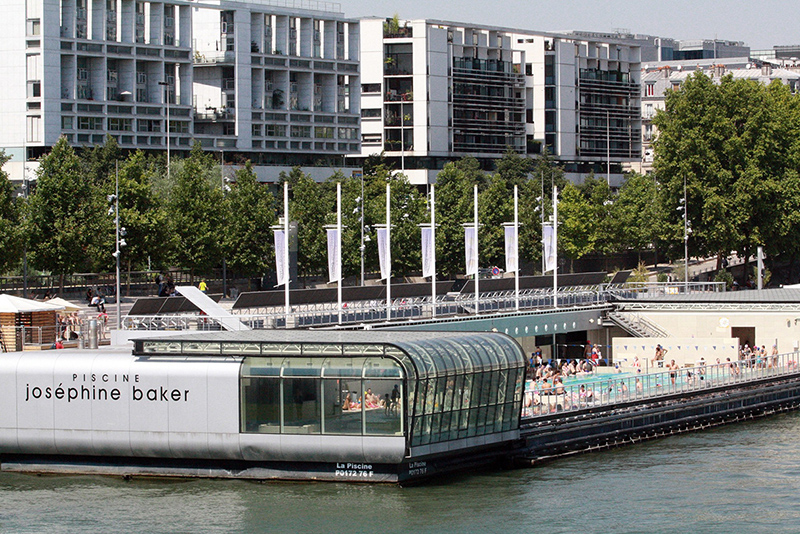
(588, 392)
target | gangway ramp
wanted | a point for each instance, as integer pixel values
(211, 308)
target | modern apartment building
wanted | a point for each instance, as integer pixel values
(277, 84)
(435, 91)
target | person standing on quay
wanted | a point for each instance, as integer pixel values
(202, 286)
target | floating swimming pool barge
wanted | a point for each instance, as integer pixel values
(366, 406)
(730, 400)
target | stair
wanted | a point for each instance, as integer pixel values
(636, 325)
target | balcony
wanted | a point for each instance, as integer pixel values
(215, 115)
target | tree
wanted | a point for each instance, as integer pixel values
(309, 206)
(65, 216)
(195, 209)
(142, 214)
(454, 206)
(10, 232)
(733, 144)
(250, 211)
(577, 226)
(636, 214)
(495, 207)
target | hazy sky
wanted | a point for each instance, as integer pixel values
(759, 23)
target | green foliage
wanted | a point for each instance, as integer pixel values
(577, 226)
(142, 213)
(65, 216)
(736, 145)
(309, 205)
(724, 276)
(196, 214)
(10, 231)
(250, 211)
(640, 274)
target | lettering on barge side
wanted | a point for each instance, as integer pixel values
(84, 387)
(352, 470)
(416, 469)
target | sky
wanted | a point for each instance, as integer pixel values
(761, 24)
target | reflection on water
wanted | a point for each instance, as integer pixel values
(740, 478)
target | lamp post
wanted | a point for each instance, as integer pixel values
(120, 242)
(166, 84)
(361, 218)
(608, 148)
(685, 240)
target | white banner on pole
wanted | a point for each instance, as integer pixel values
(334, 253)
(383, 256)
(280, 267)
(512, 249)
(427, 252)
(471, 249)
(549, 248)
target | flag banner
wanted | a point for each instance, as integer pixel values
(512, 249)
(334, 256)
(549, 248)
(383, 256)
(471, 249)
(280, 245)
(428, 252)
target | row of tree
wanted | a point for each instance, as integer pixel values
(736, 144)
(192, 217)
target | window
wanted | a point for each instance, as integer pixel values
(301, 131)
(370, 113)
(34, 27)
(256, 130)
(34, 89)
(650, 89)
(90, 123)
(124, 125)
(648, 111)
(276, 130)
(66, 123)
(323, 132)
(348, 133)
(371, 88)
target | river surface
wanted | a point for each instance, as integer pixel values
(738, 478)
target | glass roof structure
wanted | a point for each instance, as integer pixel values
(424, 354)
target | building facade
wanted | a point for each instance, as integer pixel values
(279, 85)
(435, 91)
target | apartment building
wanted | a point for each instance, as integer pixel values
(277, 84)
(435, 91)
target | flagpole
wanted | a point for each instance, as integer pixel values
(286, 250)
(477, 270)
(433, 245)
(388, 253)
(339, 246)
(516, 246)
(555, 247)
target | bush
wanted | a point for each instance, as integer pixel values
(724, 276)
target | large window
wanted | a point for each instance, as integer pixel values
(344, 395)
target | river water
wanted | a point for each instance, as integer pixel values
(738, 478)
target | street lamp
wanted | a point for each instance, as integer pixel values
(686, 231)
(120, 241)
(166, 84)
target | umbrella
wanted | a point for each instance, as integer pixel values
(11, 304)
(68, 306)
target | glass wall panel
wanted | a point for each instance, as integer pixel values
(343, 367)
(382, 414)
(261, 405)
(301, 406)
(302, 367)
(338, 417)
(268, 366)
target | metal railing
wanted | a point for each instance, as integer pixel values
(597, 390)
(402, 309)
